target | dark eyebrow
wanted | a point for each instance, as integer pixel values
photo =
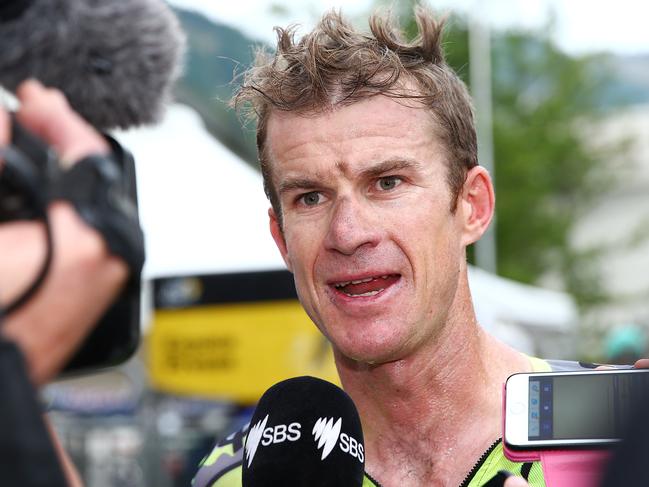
(298, 183)
(378, 170)
(390, 165)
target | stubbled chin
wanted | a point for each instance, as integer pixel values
(364, 347)
(356, 359)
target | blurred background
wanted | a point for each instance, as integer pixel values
(561, 90)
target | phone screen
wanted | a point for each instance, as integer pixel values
(582, 406)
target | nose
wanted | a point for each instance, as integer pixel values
(352, 226)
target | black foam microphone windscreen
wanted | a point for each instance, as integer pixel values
(115, 60)
(304, 432)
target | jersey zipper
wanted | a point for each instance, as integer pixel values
(479, 463)
(469, 476)
(375, 482)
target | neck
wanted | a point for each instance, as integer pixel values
(429, 416)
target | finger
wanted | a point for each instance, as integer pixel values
(46, 112)
(643, 363)
(5, 134)
(516, 482)
(5, 126)
(606, 367)
(39, 106)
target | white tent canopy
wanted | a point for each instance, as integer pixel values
(203, 209)
(497, 298)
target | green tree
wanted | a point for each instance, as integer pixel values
(547, 171)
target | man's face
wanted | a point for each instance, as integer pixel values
(367, 229)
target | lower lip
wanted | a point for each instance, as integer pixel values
(390, 285)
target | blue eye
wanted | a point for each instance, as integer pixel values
(389, 182)
(310, 199)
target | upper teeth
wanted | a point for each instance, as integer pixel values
(358, 281)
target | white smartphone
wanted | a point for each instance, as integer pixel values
(561, 409)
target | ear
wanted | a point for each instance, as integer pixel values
(278, 236)
(477, 203)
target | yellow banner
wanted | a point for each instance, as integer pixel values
(235, 351)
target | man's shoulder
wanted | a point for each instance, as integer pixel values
(495, 460)
(222, 466)
(549, 365)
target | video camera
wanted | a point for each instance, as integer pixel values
(116, 63)
(102, 188)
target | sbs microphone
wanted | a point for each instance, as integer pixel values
(304, 432)
(115, 60)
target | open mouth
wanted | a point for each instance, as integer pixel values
(369, 286)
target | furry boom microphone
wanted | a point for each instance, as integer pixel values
(115, 60)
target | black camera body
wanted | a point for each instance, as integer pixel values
(104, 193)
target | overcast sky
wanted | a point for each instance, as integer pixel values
(581, 25)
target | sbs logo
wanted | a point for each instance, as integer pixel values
(269, 436)
(326, 433)
(254, 436)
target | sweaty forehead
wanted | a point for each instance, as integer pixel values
(376, 122)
